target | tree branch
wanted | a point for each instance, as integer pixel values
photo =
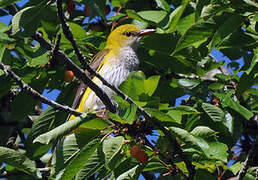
(77, 71)
(244, 168)
(34, 93)
(69, 35)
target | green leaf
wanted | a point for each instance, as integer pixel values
(195, 36)
(185, 23)
(203, 132)
(130, 113)
(130, 174)
(4, 27)
(70, 146)
(188, 138)
(215, 86)
(188, 83)
(4, 38)
(79, 160)
(78, 33)
(46, 121)
(39, 57)
(252, 3)
(116, 17)
(236, 167)
(95, 123)
(215, 113)
(229, 102)
(163, 4)
(153, 165)
(132, 14)
(132, 86)
(159, 115)
(18, 160)
(153, 16)
(118, 3)
(151, 84)
(27, 18)
(227, 28)
(211, 10)
(41, 125)
(116, 117)
(4, 3)
(152, 44)
(58, 132)
(150, 16)
(111, 148)
(177, 112)
(199, 7)
(217, 151)
(175, 16)
(94, 164)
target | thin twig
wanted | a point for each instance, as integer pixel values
(34, 93)
(244, 168)
(11, 141)
(69, 35)
(56, 48)
(106, 135)
(198, 77)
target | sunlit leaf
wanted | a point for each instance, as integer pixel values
(203, 132)
(218, 151)
(229, 26)
(27, 18)
(132, 173)
(70, 146)
(161, 116)
(195, 35)
(215, 113)
(163, 4)
(111, 148)
(64, 129)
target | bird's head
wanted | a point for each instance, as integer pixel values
(127, 35)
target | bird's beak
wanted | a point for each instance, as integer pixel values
(147, 31)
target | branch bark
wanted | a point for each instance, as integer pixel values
(34, 93)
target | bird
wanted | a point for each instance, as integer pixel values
(114, 63)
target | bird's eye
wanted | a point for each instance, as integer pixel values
(131, 34)
(128, 34)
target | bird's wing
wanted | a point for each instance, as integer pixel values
(95, 63)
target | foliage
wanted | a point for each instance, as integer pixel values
(175, 61)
